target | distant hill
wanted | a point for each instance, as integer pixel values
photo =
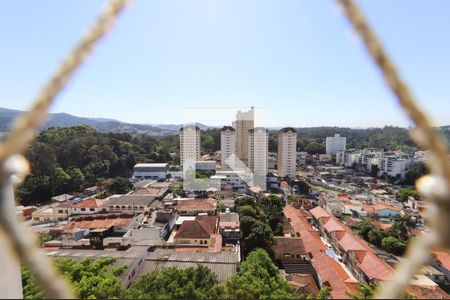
(176, 127)
(7, 116)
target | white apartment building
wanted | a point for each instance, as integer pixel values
(347, 158)
(244, 122)
(302, 157)
(287, 152)
(335, 144)
(258, 148)
(227, 145)
(393, 166)
(189, 143)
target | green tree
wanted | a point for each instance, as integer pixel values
(364, 291)
(255, 234)
(404, 193)
(272, 206)
(90, 278)
(119, 185)
(375, 236)
(247, 210)
(393, 245)
(415, 171)
(77, 180)
(324, 292)
(44, 238)
(173, 283)
(363, 228)
(257, 279)
(60, 181)
(315, 147)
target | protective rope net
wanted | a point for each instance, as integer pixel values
(435, 187)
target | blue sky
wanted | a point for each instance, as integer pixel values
(299, 60)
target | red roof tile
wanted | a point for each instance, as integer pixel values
(349, 243)
(332, 225)
(202, 227)
(443, 258)
(98, 222)
(304, 284)
(422, 292)
(197, 204)
(335, 275)
(90, 203)
(318, 212)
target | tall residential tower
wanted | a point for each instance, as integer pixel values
(244, 122)
(258, 147)
(287, 152)
(189, 143)
(227, 145)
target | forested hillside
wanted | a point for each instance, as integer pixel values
(69, 159)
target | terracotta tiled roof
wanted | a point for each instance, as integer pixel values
(385, 206)
(304, 284)
(443, 258)
(349, 243)
(375, 268)
(327, 268)
(90, 203)
(98, 222)
(318, 212)
(332, 225)
(422, 292)
(197, 204)
(371, 265)
(288, 245)
(343, 197)
(202, 227)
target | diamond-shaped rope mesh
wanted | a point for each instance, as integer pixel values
(13, 167)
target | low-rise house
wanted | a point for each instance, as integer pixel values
(62, 198)
(362, 260)
(193, 207)
(327, 270)
(89, 206)
(92, 190)
(229, 227)
(303, 284)
(382, 210)
(24, 211)
(97, 227)
(144, 235)
(53, 213)
(198, 233)
(133, 204)
(289, 248)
